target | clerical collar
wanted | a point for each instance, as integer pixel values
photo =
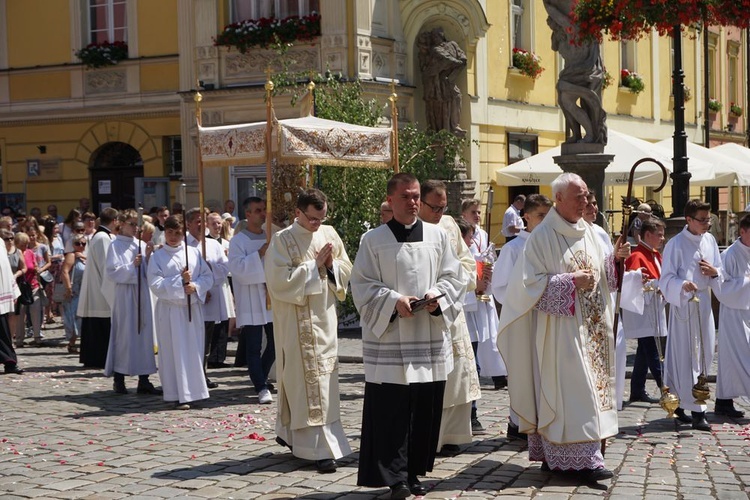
(647, 247)
(403, 233)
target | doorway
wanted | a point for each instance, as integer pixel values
(113, 169)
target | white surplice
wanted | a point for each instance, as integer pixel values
(481, 318)
(462, 385)
(733, 377)
(96, 292)
(682, 361)
(303, 299)
(249, 278)
(559, 347)
(220, 306)
(131, 346)
(384, 270)
(181, 338)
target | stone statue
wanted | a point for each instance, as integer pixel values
(441, 62)
(580, 80)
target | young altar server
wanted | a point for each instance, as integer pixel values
(535, 208)
(247, 248)
(733, 377)
(180, 288)
(131, 344)
(481, 315)
(217, 307)
(691, 265)
(644, 315)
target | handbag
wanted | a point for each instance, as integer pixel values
(27, 294)
(46, 278)
(58, 293)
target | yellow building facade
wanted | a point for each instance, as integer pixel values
(126, 132)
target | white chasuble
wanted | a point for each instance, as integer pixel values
(733, 378)
(181, 334)
(557, 341)
(303, 299)
(691, 335)
(131, 345)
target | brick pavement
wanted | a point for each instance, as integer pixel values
(65, 434)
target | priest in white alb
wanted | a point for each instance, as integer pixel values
(556, 338)
(733, 372)
(462, 386)
(307, 272)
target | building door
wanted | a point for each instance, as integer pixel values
(113, 170)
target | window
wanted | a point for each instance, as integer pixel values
(247, 181)
(733, 75)
(173, 155)
(520, 26)
(711, 77)
(627, 56)
(521, 146)
(108, 21)
(255, 9)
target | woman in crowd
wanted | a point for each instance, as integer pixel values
(72, 277)
(89, 225)
(66, 228)
(35, 309)
(18, 268)
(57, 251)
(43, 256)
(8, 294)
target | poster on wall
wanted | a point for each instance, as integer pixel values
(152, 191)
(16, 201)
(105, 187)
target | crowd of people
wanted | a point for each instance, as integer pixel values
(435, 313)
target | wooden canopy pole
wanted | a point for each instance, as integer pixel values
(198, 97)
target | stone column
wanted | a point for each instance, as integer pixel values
(590, 166)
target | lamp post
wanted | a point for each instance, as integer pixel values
(680, 175)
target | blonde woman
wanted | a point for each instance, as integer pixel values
(72, 277)
(35, 309)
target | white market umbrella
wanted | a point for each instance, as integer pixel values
(541, 169)
(727, 170)
(737, 153)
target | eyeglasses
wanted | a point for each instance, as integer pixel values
(131, 223)
(79, 244)
(702, 221)
(436, 210)
(315, 220)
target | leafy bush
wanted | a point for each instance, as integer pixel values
(632, 81)
(528, 63)
(99, 55)
(268, 31)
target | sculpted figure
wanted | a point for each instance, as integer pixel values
(441, 62)
(579, 85)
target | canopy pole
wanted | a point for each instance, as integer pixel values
(394, 124)
(198, 97)
(311, 95)
(269, 156)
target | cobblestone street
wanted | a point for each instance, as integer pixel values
(67, 435)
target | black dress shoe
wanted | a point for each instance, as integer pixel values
(400, 490)
(643, 398)
(514, 433)
(281, 442)
(119, 387)
(211, 385)
(326, 466)
(594, 475)
(699, 422)
(726, 407)
(219, 365)
(501, 382)
(13, 368)
(545, 467)
(682, 417)
(477, 429)
(449, 450)
(148, 388)
(416, 488)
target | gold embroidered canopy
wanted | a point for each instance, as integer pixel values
(298, 141)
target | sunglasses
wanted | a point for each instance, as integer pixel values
(8, 239)
(79, 244)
